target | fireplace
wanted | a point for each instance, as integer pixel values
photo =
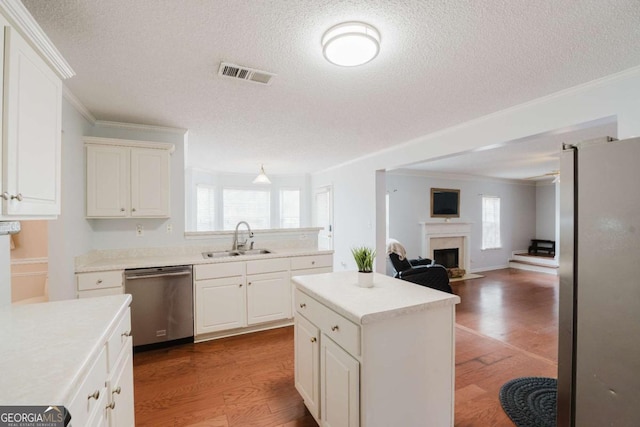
(447, 235)
(446, 257)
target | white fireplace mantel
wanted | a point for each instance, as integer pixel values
(434, 230)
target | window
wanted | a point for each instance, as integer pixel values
(490, 222)
(205, 207)
(253, 206)
(289, 208)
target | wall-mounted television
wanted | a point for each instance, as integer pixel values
(445, 203)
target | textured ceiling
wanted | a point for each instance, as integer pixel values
(441, 63)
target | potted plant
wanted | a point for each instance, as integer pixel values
(364, 257)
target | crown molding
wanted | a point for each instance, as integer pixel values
(21, 19)
(139, 127)
(95, 140)
(78, 105)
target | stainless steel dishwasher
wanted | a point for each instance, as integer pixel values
(162, 304)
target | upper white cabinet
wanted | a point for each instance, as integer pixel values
(128, 178)
(31, 126)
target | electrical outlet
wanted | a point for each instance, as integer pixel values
(139, 230)
(169, 228)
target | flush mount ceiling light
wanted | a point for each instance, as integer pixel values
(350, 44)
(262, 177)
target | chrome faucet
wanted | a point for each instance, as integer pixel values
(237, 245)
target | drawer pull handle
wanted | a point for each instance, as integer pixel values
(99, 281)
(111, 405)
(126, 334)
(303, 305)
(117, 390)
(313, 263)
(249, 283)
(313, 339)
(95, 395)
(240, 285)
(17, 197)
(335, 328)
(121, 209)
(133, 210)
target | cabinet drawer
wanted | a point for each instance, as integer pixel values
(99, 280)
(338, 328)
(313, 261)
(91, 392)
(215, 271)
(267, 265)
(118, 339)
(101, 292)
(308, 271)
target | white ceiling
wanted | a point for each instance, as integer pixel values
(441, 63)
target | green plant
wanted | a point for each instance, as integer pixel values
(364, 257)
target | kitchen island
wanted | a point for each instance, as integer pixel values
(73, 353)
(374, 356)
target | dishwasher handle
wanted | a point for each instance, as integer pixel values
(150, 276)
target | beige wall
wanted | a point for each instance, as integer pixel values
(29, 260)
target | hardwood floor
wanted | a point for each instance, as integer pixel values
(506, 328)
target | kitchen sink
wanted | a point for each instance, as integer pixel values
(223, 254)
(220, 254)
(255, 252)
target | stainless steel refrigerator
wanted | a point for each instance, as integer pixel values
(599, 337)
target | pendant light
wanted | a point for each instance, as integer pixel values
(351, 44)
(262, 177)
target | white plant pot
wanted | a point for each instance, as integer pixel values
(365, 280)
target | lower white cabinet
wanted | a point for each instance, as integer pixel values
(120, 410)
(307, 363)
(253, 294)
(100, 283)
(220, 304)
(339, 386)
(268, 297)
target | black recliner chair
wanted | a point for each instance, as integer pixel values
(421, 271)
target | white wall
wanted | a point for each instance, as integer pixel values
(354, 182)
(70, 234)
(546, 211)
(409, 203)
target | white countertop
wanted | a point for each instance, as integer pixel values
(387, 298)
(145, 261)
(46, 347)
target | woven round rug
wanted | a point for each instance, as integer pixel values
(530, 401)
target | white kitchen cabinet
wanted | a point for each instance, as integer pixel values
(100, 283)
(31, 132)
(127, 179)
(220, 304)
(386, 353)
(268, 297)
(120, 411)
(307, 363)
(339, 386)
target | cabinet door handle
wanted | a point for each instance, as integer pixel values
(117, 390)
(303, 305)
(99, 281)
(125, 334)
(5, 195)
(122, 209)
(133, 210)
(240, 285)
(335, 328)
(249, 283)
(18, 197)
(313, 263)
(314, 339)
(95, 395)
(111, 405)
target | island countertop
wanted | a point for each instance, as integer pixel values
(387, 298)
(46, 348)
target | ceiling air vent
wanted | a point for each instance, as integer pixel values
(245, 73)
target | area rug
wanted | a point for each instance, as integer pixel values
(467, 276)
(530, 401)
